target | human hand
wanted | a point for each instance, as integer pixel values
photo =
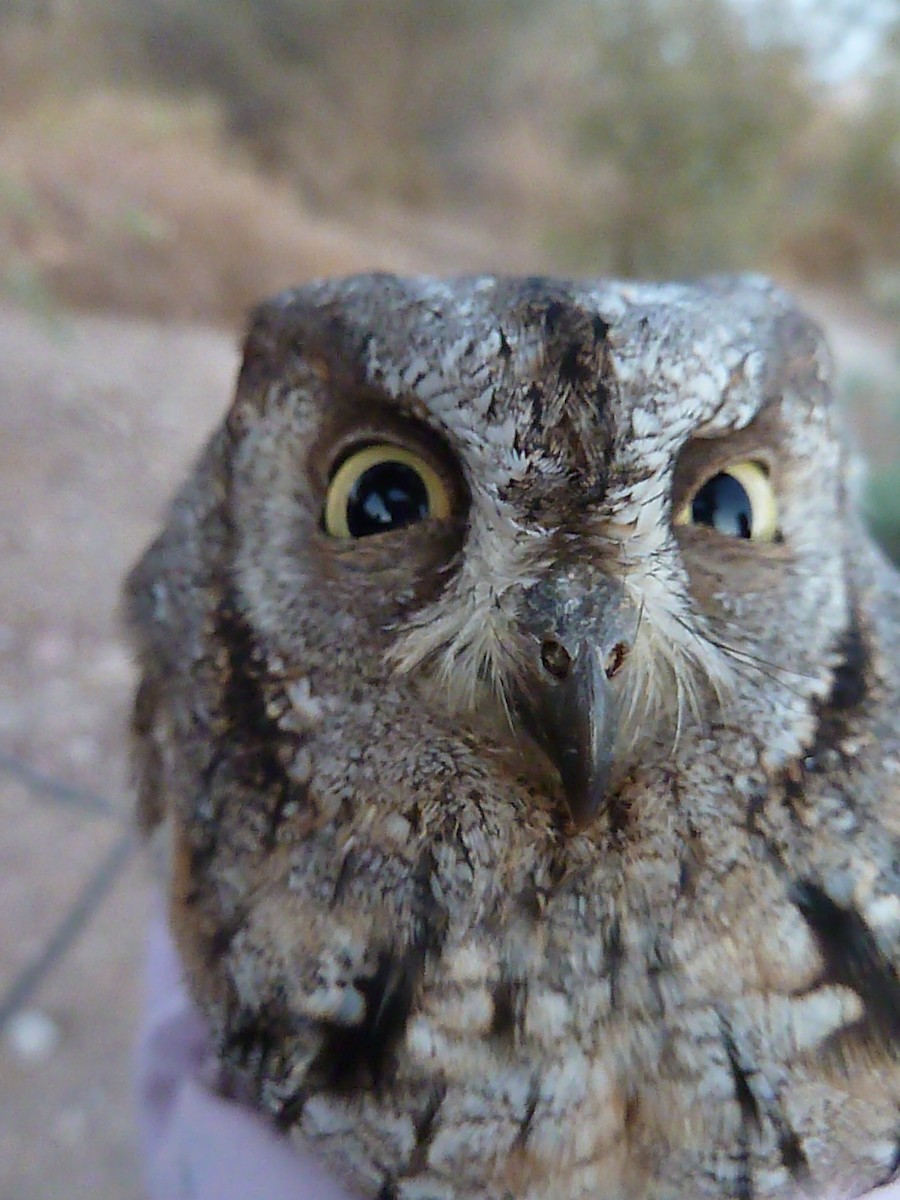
(197, 1145)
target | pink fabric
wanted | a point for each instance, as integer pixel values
(199, 1146)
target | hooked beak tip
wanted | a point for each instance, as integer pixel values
(572, 715)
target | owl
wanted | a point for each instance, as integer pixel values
(518, 726)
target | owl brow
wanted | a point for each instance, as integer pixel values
(371, 425)
(718, 443)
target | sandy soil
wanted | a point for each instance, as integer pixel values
(98, 419)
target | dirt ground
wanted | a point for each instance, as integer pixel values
(98, 420)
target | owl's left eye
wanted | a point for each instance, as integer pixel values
(738, 501)
(380, 488)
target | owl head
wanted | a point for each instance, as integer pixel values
(584, 522)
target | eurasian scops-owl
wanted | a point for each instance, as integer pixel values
(519, 716)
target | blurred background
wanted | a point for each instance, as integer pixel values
(179, 159)
(166, 163)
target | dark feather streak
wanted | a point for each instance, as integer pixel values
(509, 998)
(853, 959)
(751, 1122)
(849, 690)
(360, 1055)
(531, 1103)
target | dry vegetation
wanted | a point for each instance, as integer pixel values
(180, 159)
(118, 202)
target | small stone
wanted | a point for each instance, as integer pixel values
(32, 1035)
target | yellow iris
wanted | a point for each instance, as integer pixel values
(738, 501)
(380, 488)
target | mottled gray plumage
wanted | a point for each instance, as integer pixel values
(548, 848)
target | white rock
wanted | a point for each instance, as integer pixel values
(32, 1035)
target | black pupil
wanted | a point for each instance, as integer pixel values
(386, 496)
(723, 504)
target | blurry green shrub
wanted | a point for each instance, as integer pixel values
(694, 120)
(24, 283)
(883, 508)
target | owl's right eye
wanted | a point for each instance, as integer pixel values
(738, 501)
(381, 488)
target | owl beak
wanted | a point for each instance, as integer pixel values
(572, 714)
